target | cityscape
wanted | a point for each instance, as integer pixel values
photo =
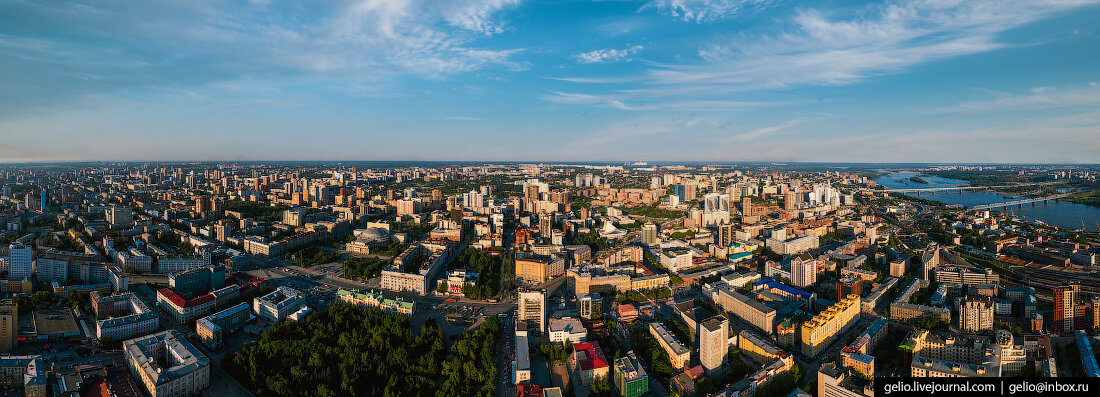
(549, 198)
(501, 279)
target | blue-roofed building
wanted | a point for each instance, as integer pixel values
(1087, 356)
(783, 289)
(212, 328)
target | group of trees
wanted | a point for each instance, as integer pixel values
(651, 353)
(370, 267)
(348, 350)
(314, 255)
(490, 269)
(256, 210)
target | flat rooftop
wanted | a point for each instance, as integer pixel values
(55, 321)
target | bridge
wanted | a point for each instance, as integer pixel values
(1020, 202)
(956, 188)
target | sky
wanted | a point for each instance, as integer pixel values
(994, 81)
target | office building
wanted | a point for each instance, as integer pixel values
(803, 271)
(716, 209)
(416, 268)
(165, 364)
(28, 372)
(825, 327)
(835, 381)
(649, 234)
(123, 316)
(538, 270)
(376, 299)
(588, 362)
(975, 313)
(212, 329)
(567, 330)
(678, 354)
(183, 309)
(278, 304)
(9, 325)
(589, 306)
(20, 262)
(294, 217)
(1065, 300)
(754, 312)
(713, 342)
(630, 378)
(120, 216)
(531, 307)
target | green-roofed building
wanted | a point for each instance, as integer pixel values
(372, 298)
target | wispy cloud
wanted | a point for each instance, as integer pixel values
(608, 55)
(706, 10)
(616, 101)
(1036, 98)
(765, 131)
(59, 53)
(462, 118)
(822, 49)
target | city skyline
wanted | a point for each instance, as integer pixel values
(511, 80)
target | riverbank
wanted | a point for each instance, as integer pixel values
(1091, 199)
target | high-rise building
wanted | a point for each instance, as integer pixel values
(532, 308)
(120, 216)
(9, 325)
(975, 313)
(1065, 298)
(20, 262)
(294, 217)
(716, 209)
(713, 342)
(649, 234)
(803, 271)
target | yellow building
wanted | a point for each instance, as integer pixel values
(9, 325)
(820, 331)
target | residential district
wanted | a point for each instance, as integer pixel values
(434, 279)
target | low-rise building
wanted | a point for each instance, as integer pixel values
(278, 304)
(165, 364)
(372, 298)
(213, 328)
(630, 378)
(567, 330)
(123, 316)
(678, 354)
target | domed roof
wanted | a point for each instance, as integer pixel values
(371, 233)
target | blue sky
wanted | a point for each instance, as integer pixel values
(517, 80)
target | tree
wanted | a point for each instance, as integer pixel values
(601, 388)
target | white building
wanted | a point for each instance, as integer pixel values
(567, 329)
(278, 304)
(165, 364)
(20, 262)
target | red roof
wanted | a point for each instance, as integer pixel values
(528, 391)
(179, 301)
(589, 356)
(96, 389)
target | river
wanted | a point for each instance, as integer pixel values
(1058, 213)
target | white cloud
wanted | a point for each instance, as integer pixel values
(706, 10)
(608, 55)
(462, 118)
(823, 49)
(1036, 98)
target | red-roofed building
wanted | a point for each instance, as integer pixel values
(528, 391)
(184, 310)
(627, 312)
(589, 362)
